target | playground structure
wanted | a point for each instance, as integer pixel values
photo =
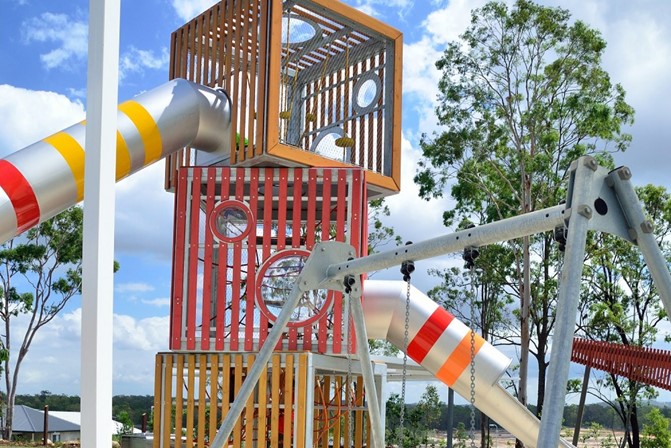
(290, 115)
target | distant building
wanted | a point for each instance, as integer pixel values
(28, 425)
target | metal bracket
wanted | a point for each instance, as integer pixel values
(324, 254)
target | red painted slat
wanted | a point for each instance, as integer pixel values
(222, 269)
(178, 262)
(340, 236)
(193, 262)
(207, 263)
(325, 227)
(250, 280)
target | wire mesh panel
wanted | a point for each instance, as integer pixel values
(294, 404)
(242, 236)
(311, 82)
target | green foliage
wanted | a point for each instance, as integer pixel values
(656, 432)
(522, 95)
(123, 417)
(379, 234)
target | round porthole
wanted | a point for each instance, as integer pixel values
(299, 31)
(231, 221)
(274, 282)
(366, 93)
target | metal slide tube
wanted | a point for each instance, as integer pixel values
(442, 345)
(47, 177)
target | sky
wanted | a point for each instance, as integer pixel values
(43, 49)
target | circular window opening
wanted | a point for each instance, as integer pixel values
(367, 93)
(231, 221)
(275, 281)
(298, 31)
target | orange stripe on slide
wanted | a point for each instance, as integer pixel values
(73, 154)
(427, 336)
(459, 359)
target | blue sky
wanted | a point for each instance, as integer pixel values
(42, 89)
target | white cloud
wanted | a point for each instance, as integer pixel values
(158, 302)
(136, 61)
(188, 9)
(134, 287)
(70, 36)
(29, 115)
(54, 360)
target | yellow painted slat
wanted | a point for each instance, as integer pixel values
(237, 429)
(74, 156)
(191, 380)
(288, 399)
(249, 408)
(179, 400)
(167, 401)
(358, 415)
(301, 399)
(331, 395)
(202, 384)
(146, 126)
(214, 395)
(275, 401)
(337, 397)
(263, 409)
(158, 399)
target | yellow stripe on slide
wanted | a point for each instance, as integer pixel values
(122, 156)
(459, 359)
(73, 154)
(146, 126)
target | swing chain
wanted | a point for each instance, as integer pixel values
(469, 256)
(348, 282)
(407, 268)
(472, 366)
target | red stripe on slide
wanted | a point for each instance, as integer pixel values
(21, 194)
(427, 336)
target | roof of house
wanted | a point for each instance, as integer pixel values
(27, 419)
(76, 418)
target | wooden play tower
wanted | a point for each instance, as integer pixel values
(315, 95)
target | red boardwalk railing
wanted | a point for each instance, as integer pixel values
(647, 365)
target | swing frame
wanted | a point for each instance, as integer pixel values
(596, 200)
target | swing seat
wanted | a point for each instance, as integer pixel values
(344, 142)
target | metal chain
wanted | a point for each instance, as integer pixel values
(349, 381)
(407, 268)
(473, 312)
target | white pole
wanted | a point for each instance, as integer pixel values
(98, 254)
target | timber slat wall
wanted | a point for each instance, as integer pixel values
(293, 404)
(218, 300)
(238, 45)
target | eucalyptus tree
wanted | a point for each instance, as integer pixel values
(522, 95)
(40, 271)
(620, 304)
